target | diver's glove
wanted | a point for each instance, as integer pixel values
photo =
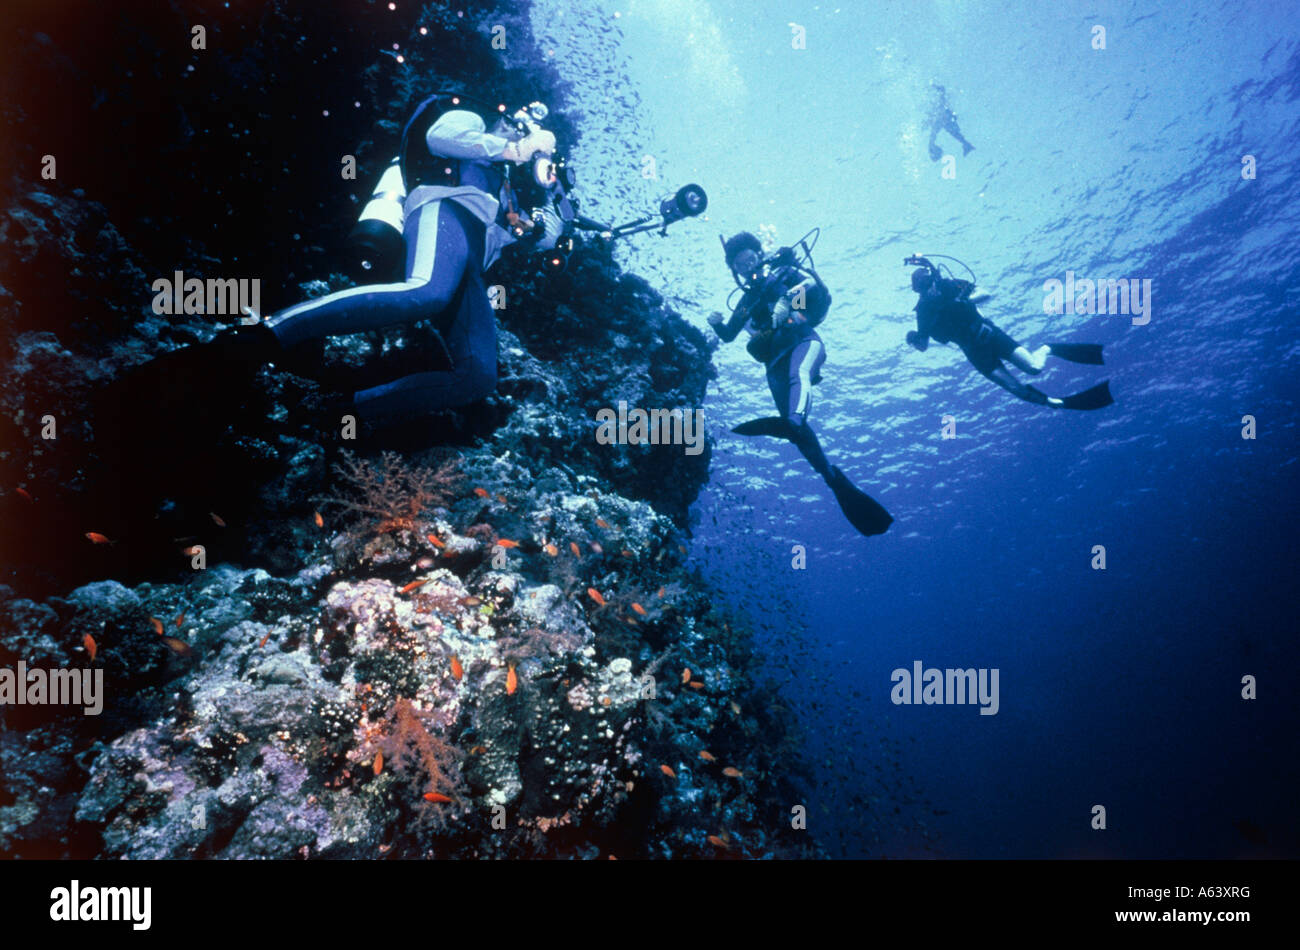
(914, 339)
(528, 146)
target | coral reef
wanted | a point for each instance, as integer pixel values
(459, 637)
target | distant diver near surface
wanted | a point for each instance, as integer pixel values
(782, 301)
(943, 119)
(946, 312)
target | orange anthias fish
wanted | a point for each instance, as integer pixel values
(507, 543)
(192, 550)
(379, 762)
(457, 671)
(551, 549)
(216, 519)
(320, 522)
(626, 553)
(596, 548)
(262, 642)
(23, 493)
(96, 538)
(695, 684)
(481, 492)
(512, 681)
(89, 643)
(595, 595)
(707, 756)
(180, 618)
(406, 589)
(179, 647)
(661, 591)
(667, 770)
(435, 541)
(719, 843)
(601, 522)
(436, 797)
(501, 498)
(157, 625)
(686, 676)
(732, 772)
(638, 608)
(478, 750)
(573, 546)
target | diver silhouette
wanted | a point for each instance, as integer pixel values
(943, 119)
(783, 299)
(945, 312)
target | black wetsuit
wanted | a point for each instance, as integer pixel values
(944, 314)
(792, 352)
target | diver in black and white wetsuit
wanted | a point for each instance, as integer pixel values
(780, 307)
(453, 233)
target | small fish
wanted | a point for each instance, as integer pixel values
(379, 762)
(512, 681)
(180, 618)
(216, 519)
(577, 551)
(638, 608)
(471, 601)
(507, 543)
(719, 843)
(424, 563)
(89, 643)
(179, 647)
(732, 772)
(436, 797)
(602, 523)
(686, 676)
(595, 595)
(682, 548)
(457, 671)
(501, 498)
(596, 548)
(551, 549)
(435, 541)
(97, 538)
(23, 493)
(606, 701)
(667, 770)
(482, 492)
(263, 641)
(192, 550)
(735, 707)
(626, 553)
(157, 625)
(407, 588)
(661, 591)
(707, 756)
(478, 750)
(695, 684)
(320, 522)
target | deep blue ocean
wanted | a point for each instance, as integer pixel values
(1119, 687)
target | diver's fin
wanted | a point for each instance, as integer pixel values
(1089, 353)
(1098, 397)
(863, 511)
(775, 426)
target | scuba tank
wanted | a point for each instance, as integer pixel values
(375, 241)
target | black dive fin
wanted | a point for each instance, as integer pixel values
(1098, 397)
(1089, 353)
(863, 511)
(775, 426)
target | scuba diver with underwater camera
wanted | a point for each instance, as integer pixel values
(946, 312)
(783, 300)
(456, 194)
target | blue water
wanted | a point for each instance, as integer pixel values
(1121, 687)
